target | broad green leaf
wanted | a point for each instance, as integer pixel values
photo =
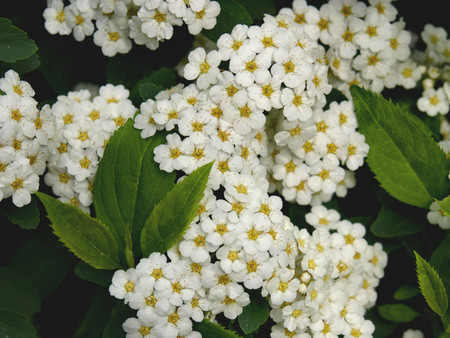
(15, 325)
(21, 66)
(431, 286)
(17, 294)
(149, 86)
(164, 77)
(88, 273)
(129, 183)
(392, 222)
(44, 261)
(129, 247)
(14, 42)
(148, 90)
(257, 9)
(26, 217)
(173, 214)
(440, 260)
(86, 237)
(209, 329)
(254, 314)
(97, 316)
(397, 313)
(406, 292)
(406, 160)
(445, 205)
(120, 312)
(383, 328)
(231, 14)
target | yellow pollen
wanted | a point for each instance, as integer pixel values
(355, 333)
(326, 328)
(307, 147)
(192, 101)
(85, 163)
(83, 136)
(407, 72)
(94, 115)
(300, 18)
(144, 330)
(252, 266)
(311, 264)
(320, 248)
(321, 126)
(223, 135)
(201, 209)
(177, 287)
(159, 17)
(217, 112)
(245, 152)
(265, 209)
(60, 16)
(64, 178)
(323, 24)
(120, 121)
(434, 100)
(357, 256)
(289, 334)
(342, 266)
(16, 115)
(175, 152)
(342, 118)
(223, 279)
(74, 201)
(290, 166)
(267, 41)
(197, 126)
(114, 36)
(259, 137)
(221, 229)
(38, 123)
(331, 148)
(347, 36)
(237, 207)
(17, 145)
(18, 90)
(372, 60)
(336, 63)
(198, 153)
(253, 234)
(374, 260)
(380, 8)
(346, 10)
(151, 301)
(283, 286)
(17, 184)
(233, 255)
(296, 313)
(194, 302)
(282, 24)
(68, 118)
(236, 45)
(324, 174)
(129, 286)
(62, 148)
(199, 240)
(32, 159)
(366, 284)
(245, 111)
(323, 221)
(267, 90)
(173, 318)
(313, 294)
(300, 186)
(351, 150)
(251, 66)
(3, 167)
(371, 31)
(289, 67)
(297, 101)
(295, 131)
(200, 15)
(112, 100)
(157, 273)
(343, 312)
(196, 268)
(79, 20)
(204, 67)
(228, 301)
(317, 81)
(393, 43)
(349, 239)
(223, 166)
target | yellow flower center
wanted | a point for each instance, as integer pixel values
(114, 36)
(17, 184)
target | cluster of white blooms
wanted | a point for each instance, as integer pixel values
(119, 22)
(316, 283)
(24, 136)
(365, 45)
(433, 66)
(84, 125)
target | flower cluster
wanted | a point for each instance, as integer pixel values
(434, 63)
(365, 45)
(24, 136)
(84, 125)
(119, 22)
(240, 239)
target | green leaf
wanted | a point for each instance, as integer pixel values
(392, 222)
(440, 260)
(27, 217)
(149, 86)
(406, 160)
(445, 205)
(129, 247)
(383, 328)
(21, 66)
(231, 14)
(209, 329)
(406, 292)
(397, 313)
(119, 314)
(97, 316)
(257, 9)
(85, 236)
(17, 294)
(148, 90)
(15, 325)
(88, 273)
(431, 286)
(14, 42)
(173, 214)
(129, 184)
(254, 314)
(43, 261)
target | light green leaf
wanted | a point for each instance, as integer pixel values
(15, 325)
(431, 286)
(44, 261)
(14, 42)
(254, 314)
(17, 294)
(440, 260)
(406, 160)
(231, 14)
(173, 214)
(88, 273)
(85, 236)
(406, 292)
(209, 329)
(445, 205)
(397, 313)
(27, 217)
(129, 183)
(257, 9)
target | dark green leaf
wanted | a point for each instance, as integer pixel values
(129, 183)
(397, 313)
(148, 90)
(383, 328)
(257, 9)
(404, 157)
(14, 42)
(43, 261)
(254, 314)
(26, 217)
(119, 314)
(173, 214)
(129, 247)
(406, 292)
(392, 222)
(431, 286)
(440, 260)
(21, 66)
(17, 294)
(88, 273)
(97, 316)
(85, 236)
(231, 14)
(14, 325)
(445, 205)
(209, 329)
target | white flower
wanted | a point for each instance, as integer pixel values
(230, 302)
(80, 21)
(266, 94)
(250, 67)
(204, 18)
(409, 74)
(137, 328)
(55, 18)
(283, 286)
(145, 121)
(433, 101)
(195, 246)
(158, 22)
(171, 156)
(82, 163)
(267, 38)
(229, 43)
(11, 83)
(19, 181)
(437, 216)
(297, 104)
(245, 116)
(169, 112)
(410, 333)
(296, 316)
(179, 7)
(123, 283)
(322, 218)
(383, 8)
(113, 39)
(292, 66)
(374, 33)
(295, 134)
(203, 67)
